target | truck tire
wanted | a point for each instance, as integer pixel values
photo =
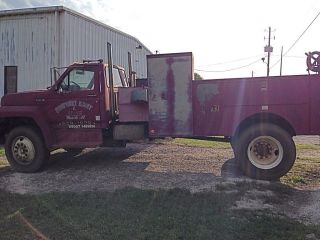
(265, 151)
(233, 142)
(25, 150)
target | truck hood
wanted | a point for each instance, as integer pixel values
(23, 98)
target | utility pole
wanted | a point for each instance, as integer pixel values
(268, 49)
(281, 61)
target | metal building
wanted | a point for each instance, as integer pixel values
(35, 39)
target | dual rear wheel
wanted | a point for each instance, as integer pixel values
(264, 151)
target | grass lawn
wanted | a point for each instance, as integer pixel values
(142, 214)
(306, 169)
(3, 160)
(2, 152)
(200, 143)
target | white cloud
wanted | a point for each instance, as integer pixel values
(27, 3)
(3, 5)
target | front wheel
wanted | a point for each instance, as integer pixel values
(265, 151)
(25, 149)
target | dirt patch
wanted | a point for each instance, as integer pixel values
(255, 200)
(307, 139)
(164, 165)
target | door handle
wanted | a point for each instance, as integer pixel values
(91, 95)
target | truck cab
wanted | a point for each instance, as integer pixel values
(81, 109)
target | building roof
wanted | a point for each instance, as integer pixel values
(52, 9)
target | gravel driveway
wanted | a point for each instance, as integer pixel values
(146, 166)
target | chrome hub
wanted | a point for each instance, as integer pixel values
(23, 150)
(265, 152)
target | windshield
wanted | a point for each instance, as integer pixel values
(78, 79)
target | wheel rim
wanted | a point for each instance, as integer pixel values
(23, 150)
(265, 152)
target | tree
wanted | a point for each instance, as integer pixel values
(197, 76)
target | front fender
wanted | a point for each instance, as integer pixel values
(29, 112)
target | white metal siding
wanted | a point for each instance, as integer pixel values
(36, 42)
(82, 39)
(26, 41)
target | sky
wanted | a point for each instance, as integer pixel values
(226, 37)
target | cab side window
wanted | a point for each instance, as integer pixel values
(77, 80)
(116, 78)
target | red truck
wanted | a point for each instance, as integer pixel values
(93, 104)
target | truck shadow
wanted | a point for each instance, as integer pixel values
(89, 158)
(136, 159)
(4, 170)
(230, 169)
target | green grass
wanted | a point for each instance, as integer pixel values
(205, 143)
(2, 154)
(295, 180)
(3, 160)
(200, 143)
(304, 146)
(305, 173)
(142, 214)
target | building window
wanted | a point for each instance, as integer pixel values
(10, 79)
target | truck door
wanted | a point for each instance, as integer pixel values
(73, 108)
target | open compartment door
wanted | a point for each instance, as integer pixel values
(170, 94)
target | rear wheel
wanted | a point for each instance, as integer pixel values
(265, 151)
(25, 149)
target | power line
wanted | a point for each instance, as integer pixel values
(231, 69)
(296, 41)
(231, 61)
(290, 56)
